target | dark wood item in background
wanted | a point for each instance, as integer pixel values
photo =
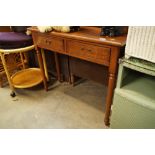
(112, 31)
(5, 29)
(86, 45)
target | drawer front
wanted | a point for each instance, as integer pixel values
(93, 53)
(50, 43)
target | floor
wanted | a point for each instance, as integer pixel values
(63, 106)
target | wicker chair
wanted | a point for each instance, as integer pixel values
(13, 40)
(13, 57)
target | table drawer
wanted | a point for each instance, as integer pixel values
(89, 52)
(50, 43)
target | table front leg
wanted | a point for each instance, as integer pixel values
(110, 91)
(40, 60)
(44, 63)
(115, 52)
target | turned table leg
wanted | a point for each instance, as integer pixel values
(115, 52)
(40, 60)
(110, 91)
(44, 63)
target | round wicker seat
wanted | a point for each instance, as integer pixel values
(12, 40)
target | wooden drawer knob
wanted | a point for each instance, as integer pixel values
(89, 50)
(48, 42)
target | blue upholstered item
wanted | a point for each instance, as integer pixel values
(11, 40)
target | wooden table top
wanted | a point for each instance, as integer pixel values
(87, 33)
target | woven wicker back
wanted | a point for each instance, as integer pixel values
(14, 62)
(141, 42)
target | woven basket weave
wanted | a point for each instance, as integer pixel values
(141, 43)
(13, 63)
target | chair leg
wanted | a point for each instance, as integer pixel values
(22, 60)
(7, 74)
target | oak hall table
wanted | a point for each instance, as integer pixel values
(86, 44)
